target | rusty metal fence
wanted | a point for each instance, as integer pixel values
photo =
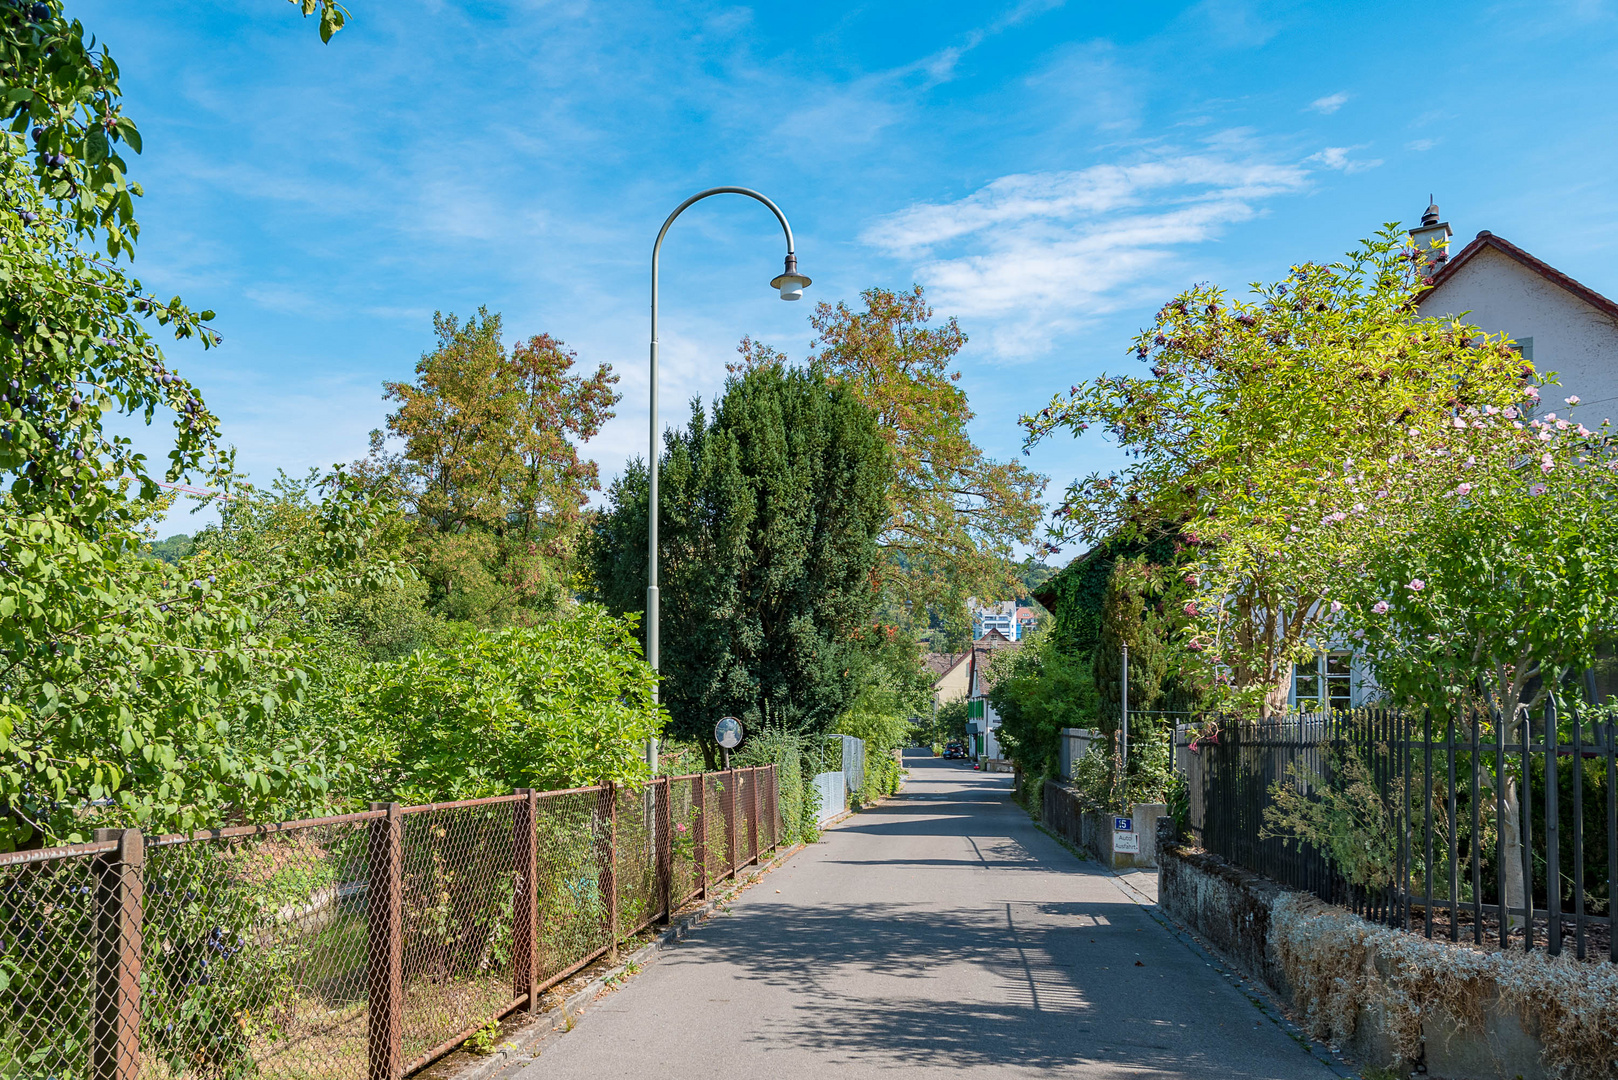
(363, 946)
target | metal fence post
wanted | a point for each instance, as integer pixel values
(612, 870)
(753, 828)
(525, 902)
(699, 811)
(386, 953)
(730, 822)
(1553, 835)
(663, 819)
(115, 1045)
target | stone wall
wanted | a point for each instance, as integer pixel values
(1062, 813)
(1392, 999)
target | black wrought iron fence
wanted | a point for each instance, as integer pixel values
(1501, 831)
(366, 945)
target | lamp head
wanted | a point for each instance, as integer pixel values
(790, 282)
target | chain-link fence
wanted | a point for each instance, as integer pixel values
(364, 946)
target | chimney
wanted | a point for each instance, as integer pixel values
(1431, 242)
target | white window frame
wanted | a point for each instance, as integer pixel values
(1324, 678)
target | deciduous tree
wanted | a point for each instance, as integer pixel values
(955, 515)
(491, 465)
(1241, 435)
(124, 681)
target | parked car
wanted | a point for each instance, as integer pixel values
(955, 751)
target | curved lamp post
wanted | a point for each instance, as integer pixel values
(791, 285)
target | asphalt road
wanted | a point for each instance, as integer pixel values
(940, 934)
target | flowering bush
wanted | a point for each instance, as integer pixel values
(1279, 437)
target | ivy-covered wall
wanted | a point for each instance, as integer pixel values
(1076, 593)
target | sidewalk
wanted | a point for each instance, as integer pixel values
(942, 934)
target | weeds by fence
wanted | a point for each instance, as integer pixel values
(1500, 831)
(365, 945)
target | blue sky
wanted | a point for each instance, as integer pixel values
(1050, 171)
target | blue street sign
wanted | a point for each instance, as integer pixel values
(1123, 824)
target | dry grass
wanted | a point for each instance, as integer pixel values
(1338, 965)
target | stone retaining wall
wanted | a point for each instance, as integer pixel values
(1245, 918)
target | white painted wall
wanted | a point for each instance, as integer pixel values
(1572, 338)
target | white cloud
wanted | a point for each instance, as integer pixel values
(1329, 104)
(1036, 253)
(1421, 144)
(1336, 157)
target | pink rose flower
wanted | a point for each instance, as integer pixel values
(1463, 489)
(1336, 606)
(1538, 489)
(1531, 393)
(1509, 412)
(1546, 466)
(1574, 400)
(1416, 585)
(1380, 607)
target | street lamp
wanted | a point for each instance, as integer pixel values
(791, 284)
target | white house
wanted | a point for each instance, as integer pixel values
(1559, 324)
(982, 720)
(1000, 617)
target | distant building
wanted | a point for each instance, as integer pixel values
(1000, 617)
(1013, 621)
(952, 676)
(982, 721)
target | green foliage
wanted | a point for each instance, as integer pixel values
(1343, 813)
(769, 519)
(1081, 586)
(130, 690)
(491, 470)
(565, 704)
(955, 514)
(1237, 436)
(1128, 618)
(795, 756)
(1038, 690)
(482, 1041)
(172, 549)
(948, 724)
(896, 694)
(882, 778)
(1103, 786)
(169, 696)
(333, 16)
(1494, 567)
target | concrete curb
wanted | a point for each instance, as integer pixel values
(517, 1052)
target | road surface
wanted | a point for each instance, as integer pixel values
(940, 934)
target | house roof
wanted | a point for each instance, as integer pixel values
(942, 663)
(1487, 239)
(983, 650)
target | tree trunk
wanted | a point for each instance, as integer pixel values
(1511, 833)
(1275, 698)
